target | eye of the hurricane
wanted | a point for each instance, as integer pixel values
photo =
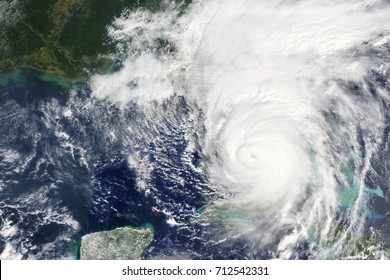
(263, 147)
(265, 165)
(250, 156)
(259, 155)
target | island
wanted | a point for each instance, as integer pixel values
(125, 243)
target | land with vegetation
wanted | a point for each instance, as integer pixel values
(68, 38)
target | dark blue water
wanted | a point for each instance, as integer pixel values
(63, 175)
(87, 175)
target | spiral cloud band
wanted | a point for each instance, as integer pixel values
(292, 111)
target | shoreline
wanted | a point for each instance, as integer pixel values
(47, 76)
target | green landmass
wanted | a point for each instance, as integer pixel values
(62, 37)
(126, 243)
(231, 217)
(367, 247)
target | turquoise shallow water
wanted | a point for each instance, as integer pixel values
(76, 160)
(23, 76)
(63, 176)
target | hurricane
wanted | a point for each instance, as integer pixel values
(252, 129)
